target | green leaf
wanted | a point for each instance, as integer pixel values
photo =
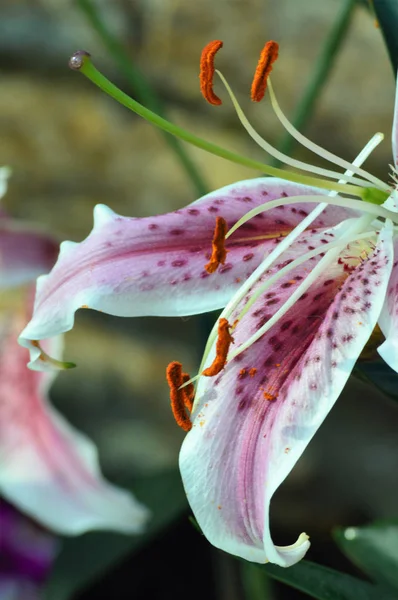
(387, 16)
(255, 582)
(84, 559)
(323, 583)
(374, 549)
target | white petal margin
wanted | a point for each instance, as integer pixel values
(49, 470)
(5, 173)
(394, 135)
(392, 201)
(232, 464)
(388, 320)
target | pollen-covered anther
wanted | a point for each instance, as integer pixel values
(268, 56)
(189, 391)
(219, 253)
(224, 341)
(178, 395)
(206, 74)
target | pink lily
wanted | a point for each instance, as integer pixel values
(47, 469)
(302, 290)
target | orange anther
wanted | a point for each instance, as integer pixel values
(269, 397)
(189, 392)
(175, 380)
(224, 341)
(207, 72)
(218, 253)
(268, 56)
(252, 372)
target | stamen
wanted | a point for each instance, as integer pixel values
(287, 160)
(177, 396)
(356, 205)
(219, 253)
(332, 253)
(304, 141)
(268, 56)
(339, 244)
(224, 341)
(188, 390)
(86, 67)
(277, 251)
(206, 74)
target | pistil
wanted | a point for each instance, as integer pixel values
(81, 61)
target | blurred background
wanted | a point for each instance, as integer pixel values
(70, 147)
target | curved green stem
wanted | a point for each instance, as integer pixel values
(81, 61)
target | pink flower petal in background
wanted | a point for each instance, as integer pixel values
(48, 469)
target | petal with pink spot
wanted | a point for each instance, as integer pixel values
(252, 422)
(155, 265)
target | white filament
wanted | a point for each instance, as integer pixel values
(282, 246)
(333, 249)
(298, 164)
(364, 207)
(318, 149)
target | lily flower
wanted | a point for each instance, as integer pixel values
(304, 272)
(47, 469)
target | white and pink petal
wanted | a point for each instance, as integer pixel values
(48, 469)
(252, 422)
(156, 265)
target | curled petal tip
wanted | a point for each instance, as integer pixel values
(78, 59)
(102, 215)
(41, 361)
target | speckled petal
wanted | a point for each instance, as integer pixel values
(252, 422)
(155, 265)
(48, 469)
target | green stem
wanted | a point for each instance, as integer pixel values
(81, 61)
(142, 89)
(319, 75)
(256, 583)
(386, 12)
